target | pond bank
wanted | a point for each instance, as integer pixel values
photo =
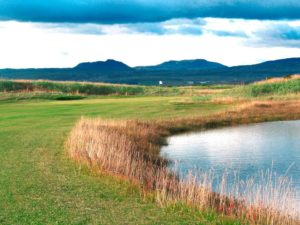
(130, 149)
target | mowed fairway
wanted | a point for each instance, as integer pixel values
(39, 184)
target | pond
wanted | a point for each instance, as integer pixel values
(244, 150)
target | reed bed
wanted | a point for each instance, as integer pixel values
(129, 149)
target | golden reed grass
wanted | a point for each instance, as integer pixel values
(279, 79)
(129, 149)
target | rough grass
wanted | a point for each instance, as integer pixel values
(279, 79)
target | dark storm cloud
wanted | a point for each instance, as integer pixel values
(139, 11)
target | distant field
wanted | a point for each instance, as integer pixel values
(103, 89)
(69, 87)
(42, 88)
(39, 184)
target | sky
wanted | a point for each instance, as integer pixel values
(63, 33)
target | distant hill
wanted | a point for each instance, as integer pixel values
(280, 64)
(171, 73)
(275, 68)
(108, 65)
(196, 64)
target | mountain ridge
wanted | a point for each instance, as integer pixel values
(108, 65)
(173, 72)
(201, 64)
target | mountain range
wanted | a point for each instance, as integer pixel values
(197, 64)
(171, 72)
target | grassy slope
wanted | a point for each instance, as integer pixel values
(40, 185)
(285, 88)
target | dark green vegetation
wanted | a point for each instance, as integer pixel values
(39, 96)
(171, 73)
(39, 88)
(107, 66)
(88, 89)
(290, 86)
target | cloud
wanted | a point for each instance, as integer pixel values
(91, 29)
(139, 11)
(148, 28)
(280, 31)
(278, 34)
(64, 53)
(256, 33)
(170, 27)
(175, 26)
(189, 30)
(223, 33)
(53, 48)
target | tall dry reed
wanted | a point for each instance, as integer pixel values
(129, 149)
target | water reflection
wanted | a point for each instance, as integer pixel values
(246, 149)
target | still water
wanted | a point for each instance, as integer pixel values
(245, 149)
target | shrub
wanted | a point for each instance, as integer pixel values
(71, 88)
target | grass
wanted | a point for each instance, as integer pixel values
(39, 184)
